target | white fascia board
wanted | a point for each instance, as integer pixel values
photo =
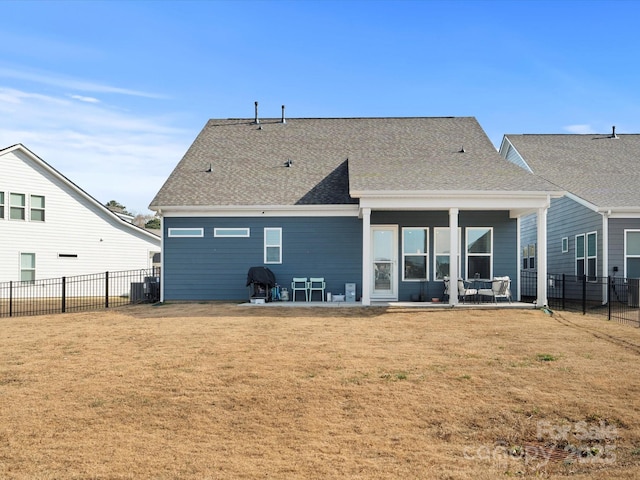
(583, 202)
(466, 200)
(79, 190)
(259, 211)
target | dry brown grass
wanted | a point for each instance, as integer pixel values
(222, 391)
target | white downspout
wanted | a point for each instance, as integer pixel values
(519, 260)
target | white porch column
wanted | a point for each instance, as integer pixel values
(453, 256)
(542, 257)
(366, 256)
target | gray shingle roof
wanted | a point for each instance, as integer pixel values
(332, 157)
(597, 168)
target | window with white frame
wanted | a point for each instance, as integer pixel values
(442, 252)
(632, 253)
(17, 206)
(415, 253)
(479, 252)
(592, 256)
(231, 232)
(532, 255)
(37, 208)
(565, 244)
(1, 205)
(186, 232)
(27, 267)
(580, 271)
(525, 258)
(272, 245)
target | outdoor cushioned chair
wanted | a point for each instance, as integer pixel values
(464, 291)
(500, 288)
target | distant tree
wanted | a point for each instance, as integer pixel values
(154, 223)
(116, 207)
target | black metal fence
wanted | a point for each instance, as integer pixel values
(613, 297)
(77, 293)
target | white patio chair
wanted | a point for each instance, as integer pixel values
(299, 284)
(497, 286)
(316, 284)
(505, 292)
(464, 291)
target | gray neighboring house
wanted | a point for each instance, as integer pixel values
(594, 229)
(379, 202)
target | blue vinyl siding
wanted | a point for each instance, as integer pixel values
(617, 226)
(565, 218)
(505, 255)
(214, 268)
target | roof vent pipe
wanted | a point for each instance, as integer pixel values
(257, 120)
(283, 119)
(613, 133)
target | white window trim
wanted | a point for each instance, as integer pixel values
(531, 248)
(632, 230)
(23, 207)
(423, 254)
(436, 254)
(3, 204)
(584, 254)
(217, 232)
(565, 244)
(588, 257)
(175, 232)
(28, 269)
(38, 209)
(466, 250)
(266, 245)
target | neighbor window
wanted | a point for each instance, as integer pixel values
(532, 255)
(565, 244)
(231, 232)
(525, 258)
(27, 267)
(186, 232)
(579, 255)
(415, 253)
(632, 253)
(37, 208)
(592, 256)
(17, 206)
(273, 245)
(442, 251)
(479, 252)
(1, 204)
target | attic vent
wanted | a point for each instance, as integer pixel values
(462, 150)
(257, 120)
(613, 132)
(209, 170)
(288, 163)
(283, 119)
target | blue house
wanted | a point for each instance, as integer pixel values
(594, 229)
(379, 202)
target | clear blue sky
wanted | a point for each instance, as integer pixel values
(113, 93)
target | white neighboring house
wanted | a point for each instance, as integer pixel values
(50, 227)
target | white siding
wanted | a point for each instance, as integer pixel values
(74, 224)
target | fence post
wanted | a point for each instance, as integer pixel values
(609, 297)
(64, 294)
(11, 298)
(584, 294)
(106, 289)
